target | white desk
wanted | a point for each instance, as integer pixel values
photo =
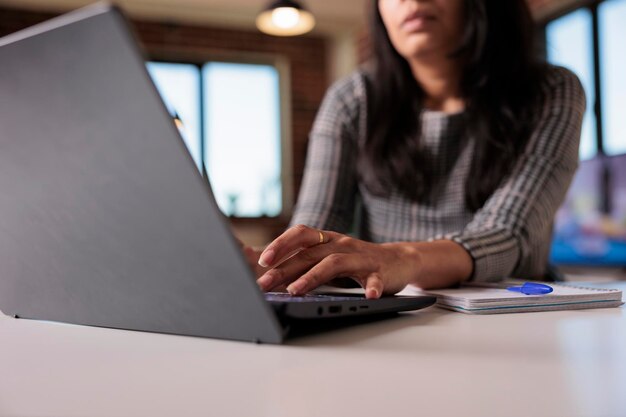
(431, 363)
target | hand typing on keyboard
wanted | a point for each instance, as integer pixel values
(303, 258)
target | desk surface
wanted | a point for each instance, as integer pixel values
(433, 363)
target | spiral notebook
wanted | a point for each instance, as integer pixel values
(494, 298)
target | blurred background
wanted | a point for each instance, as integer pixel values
(244, 102)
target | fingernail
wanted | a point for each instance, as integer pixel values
(266, 258)
(293, 289)
(373, 293)
(262, 281)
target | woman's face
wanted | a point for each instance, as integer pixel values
(421, 28)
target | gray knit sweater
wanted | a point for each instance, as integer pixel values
(509, 236)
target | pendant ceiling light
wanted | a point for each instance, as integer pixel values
(285, 18)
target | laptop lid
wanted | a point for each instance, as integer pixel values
(104, 218)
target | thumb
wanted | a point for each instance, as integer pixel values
(373, 286)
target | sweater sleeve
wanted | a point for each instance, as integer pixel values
(329, 186)
(518, 217)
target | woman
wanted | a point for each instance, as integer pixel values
(459, 143)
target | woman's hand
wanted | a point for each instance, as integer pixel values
(304, 258)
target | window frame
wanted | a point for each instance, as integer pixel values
(593, 7)
(281, 64)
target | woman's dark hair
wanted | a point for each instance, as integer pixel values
(500, 84)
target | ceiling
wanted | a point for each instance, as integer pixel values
(333, 16)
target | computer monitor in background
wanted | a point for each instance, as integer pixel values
(590, 227)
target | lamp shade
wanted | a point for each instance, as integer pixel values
(285, 18)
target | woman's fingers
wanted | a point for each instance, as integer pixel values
(373, 286)
(304, 258)
(333, 265)
(292, 241)
(292, 268)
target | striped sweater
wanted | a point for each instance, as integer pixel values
(509, 236)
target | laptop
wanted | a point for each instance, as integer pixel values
(104, 217)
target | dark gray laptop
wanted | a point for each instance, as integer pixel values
(104, 218)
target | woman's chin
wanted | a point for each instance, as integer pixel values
(420, 46)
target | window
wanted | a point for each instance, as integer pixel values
(569, 44)
(590, 227)
(612, 28)
(591, 41)
(242, 134)
(229, 117)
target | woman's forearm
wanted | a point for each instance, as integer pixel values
(437, 264)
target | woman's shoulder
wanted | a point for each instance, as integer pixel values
(345, 103)
(558, 120)
(560, 82)
(351, 90)
(344, 106)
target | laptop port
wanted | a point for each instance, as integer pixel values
(352, 308)
(334, 309)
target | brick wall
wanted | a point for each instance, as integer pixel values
(305, 56)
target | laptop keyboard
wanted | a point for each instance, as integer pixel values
(286, 297)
